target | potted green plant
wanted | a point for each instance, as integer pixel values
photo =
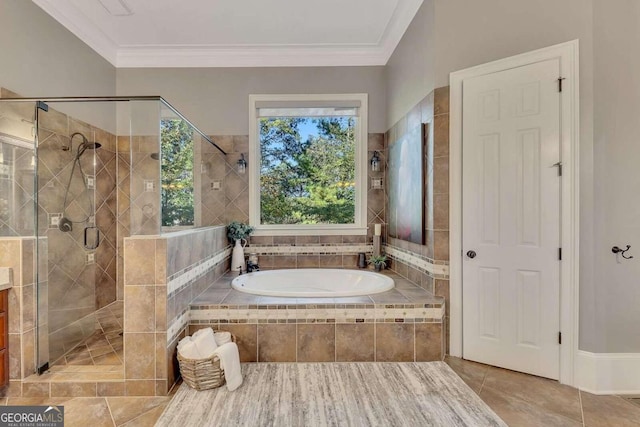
(238, 232)
(379, 262)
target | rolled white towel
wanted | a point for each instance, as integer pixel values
(205, 342)
(187, 348)
(230, 363)
(222, 337)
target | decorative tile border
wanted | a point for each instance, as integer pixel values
(328, 249)
(317, 313)
(178, 324)
(424, 264)
(190, 274)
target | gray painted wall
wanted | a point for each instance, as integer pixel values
(470, 33)
(615, 305)
(411, 69)
(217, 99)
(41, 58)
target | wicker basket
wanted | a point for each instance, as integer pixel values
(202, 374)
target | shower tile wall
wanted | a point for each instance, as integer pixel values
(106, 196)
(123, 180)
(145, 181)
(433, 110)
(81, 280)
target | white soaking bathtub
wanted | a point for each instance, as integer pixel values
(312, 282)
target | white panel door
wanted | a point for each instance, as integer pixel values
(511, 219)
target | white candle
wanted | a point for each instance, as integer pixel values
(378, 229)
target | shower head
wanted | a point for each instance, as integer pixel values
(87, 146)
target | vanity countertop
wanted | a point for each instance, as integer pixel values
(5, 278)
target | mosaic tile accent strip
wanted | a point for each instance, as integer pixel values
(427, 265)
(309, 249)
(178, 324)
(184, 277)
(317, 313)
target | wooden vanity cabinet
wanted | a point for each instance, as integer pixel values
(4, 338)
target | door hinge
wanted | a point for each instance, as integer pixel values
(559, 166)
(42, 106)
(560, 79)
(559, 337)
(560, 254)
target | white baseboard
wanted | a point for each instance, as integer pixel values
(608, 373)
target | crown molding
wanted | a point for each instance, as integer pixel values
(76, 22)
(317, 56)
(172, 56)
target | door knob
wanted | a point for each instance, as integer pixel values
(471, 254)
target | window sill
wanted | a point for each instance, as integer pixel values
(314, 230)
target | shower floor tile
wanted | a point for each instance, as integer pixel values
(104, 347)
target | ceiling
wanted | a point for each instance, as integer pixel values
(237, 33)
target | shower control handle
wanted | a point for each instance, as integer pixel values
(471, 254)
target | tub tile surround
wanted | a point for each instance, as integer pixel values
(428, 264)
(403, 324)
(162, 275)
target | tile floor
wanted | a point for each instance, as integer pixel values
(105, 346)
(520, 400)
(524, 400)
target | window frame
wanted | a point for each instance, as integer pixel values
(361, 133)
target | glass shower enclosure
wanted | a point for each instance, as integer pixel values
(78, 175)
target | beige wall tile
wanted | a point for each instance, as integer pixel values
(139, 306)
(429, 342)
(161, 308)
(316, 342)
(441, 135)
(139, 355)
(161, 356)
(15, 356)
(330, 261)
(277, 343)
(246, 339)
(139, 266)
(161, 261)
(35, 389)
(28, 353)
(308, 261)
(441, 211)
(284, 261)
(73, 389)
(394, 342)
(441, 100)
(111, 388)
(355, 342)
(28, 261)
(441, 175)
(441, 245)
(140, 387)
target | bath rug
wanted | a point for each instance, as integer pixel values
(335, 394)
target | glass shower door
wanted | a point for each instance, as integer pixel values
(67, 236)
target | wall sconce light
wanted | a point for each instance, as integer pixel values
(241, 165)
(375, 162)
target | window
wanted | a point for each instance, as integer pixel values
(176, 157)
(307, 165)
